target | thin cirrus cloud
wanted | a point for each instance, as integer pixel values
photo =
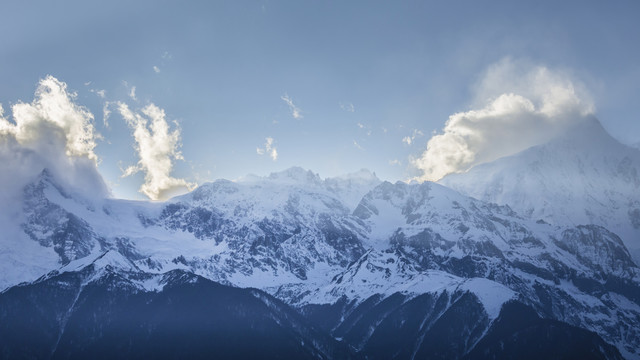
(348, 107)
(157, 147)
(268, 149)
(519, 105)
(296, 113)
(54, 133)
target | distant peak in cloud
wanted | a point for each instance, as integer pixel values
(295, 111)
(519, 105)
(157, 147)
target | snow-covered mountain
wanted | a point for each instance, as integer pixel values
(410, 270)
(441, 243)
(106, 308)
(582, 177)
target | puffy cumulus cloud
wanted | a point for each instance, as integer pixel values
(268, 149)
(295, 111)
(52, 132)
(157, 147)
(519, 105)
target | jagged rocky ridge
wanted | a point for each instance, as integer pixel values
(413, 269)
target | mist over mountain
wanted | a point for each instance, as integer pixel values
(538, 245)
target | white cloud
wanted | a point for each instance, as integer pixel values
(157, 147)
(522, 105)
(347, 107)
(132, 93)
(409, 139)
(360, 125)
(101, 93)
(355, 143)
(268, 149)
(295, 111)
(106, 112)
(395, 162)
(156, 69)
(51, 132)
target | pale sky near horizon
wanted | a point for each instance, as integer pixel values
(332, 86)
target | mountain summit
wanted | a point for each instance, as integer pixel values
(583, 176)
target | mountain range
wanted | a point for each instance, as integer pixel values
(530, 256)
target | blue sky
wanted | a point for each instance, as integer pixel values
(360, 75)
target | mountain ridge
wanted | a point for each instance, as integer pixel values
(358, 272)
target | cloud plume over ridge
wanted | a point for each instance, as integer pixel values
(518, 106)
(51, 132)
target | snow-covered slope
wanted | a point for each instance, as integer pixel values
(436, 240)
(298, 238)
(582, 177)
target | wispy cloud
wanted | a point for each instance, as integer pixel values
(355, 143)
(521, 105)
(348, 107)
(106, 112)
(101, 93)
(295, 111)
(157, 147)
(132, 93)
(156, 69)
(395, 162)
(269, 149)
(415, 134)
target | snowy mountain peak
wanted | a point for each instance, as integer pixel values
(295, 175)
(46, 180)
(362, 175)
(586, 135)
(584, 176)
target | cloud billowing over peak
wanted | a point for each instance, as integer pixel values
(50, 132)
(518, 105)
